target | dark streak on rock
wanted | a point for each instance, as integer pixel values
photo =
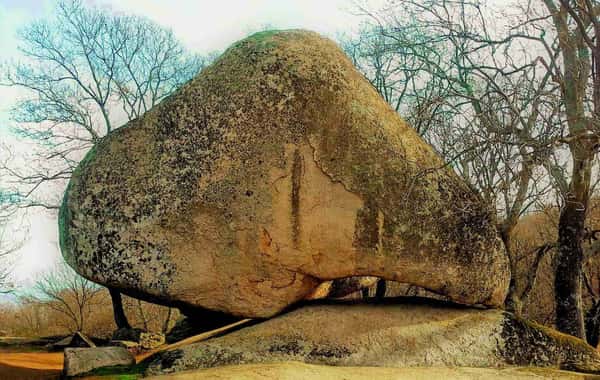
(169, 358)
(286, 348)
(296, 180)
(324, 352)
(366, 235)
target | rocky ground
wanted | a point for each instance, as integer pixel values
(298, 371)
(393, 339)
(395, 333)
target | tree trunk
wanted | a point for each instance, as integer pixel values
(569, 267)
(165, 327)
(592, 324)
(512, 302)
(142, 315)
(365, 293)
(118, 312)
(380, 290)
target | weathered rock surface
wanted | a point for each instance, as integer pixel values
(133, 347)
(388, 335)
(81, 360)
(277, 168)
(346, 286)
(149, 341)
(301, 371)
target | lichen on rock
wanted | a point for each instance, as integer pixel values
(277, 168)
(399, 334)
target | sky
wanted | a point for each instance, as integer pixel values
(204, 26)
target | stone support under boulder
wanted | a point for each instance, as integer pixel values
(388, 335)
(301, 371)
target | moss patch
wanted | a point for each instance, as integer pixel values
(262, 36)
(530, 344)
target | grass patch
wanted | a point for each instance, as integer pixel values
(119, 372)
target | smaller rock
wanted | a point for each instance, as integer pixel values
(81, 360)
(150, 341)
(345, 286)
(133, 347)
(78, 339)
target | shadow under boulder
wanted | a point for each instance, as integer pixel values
(197, 321)
(128, 334)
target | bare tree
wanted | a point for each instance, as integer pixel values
(87, 71)
(400, 71)
(68, 293)
(565, 33)
(5, 267)
(577, 28)
(529, 94)
(486, 112)
(30, 314)
(8, 242)
(151, 316)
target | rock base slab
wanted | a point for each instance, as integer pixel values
(388, 335)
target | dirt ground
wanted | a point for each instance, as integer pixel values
(30, 365)
(25, 362)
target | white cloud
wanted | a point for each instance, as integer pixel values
(205, 26)
(15, 14)
(39, 253)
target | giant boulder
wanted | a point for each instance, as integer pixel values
(278, 167)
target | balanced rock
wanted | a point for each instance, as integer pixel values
(275, 169)
(388, 335)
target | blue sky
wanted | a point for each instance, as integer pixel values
(203, 26)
